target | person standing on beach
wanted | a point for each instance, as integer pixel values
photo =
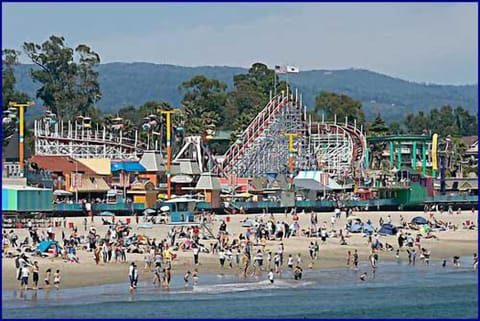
(355, 260)
(25, 274)
(133, 276)
(48, 274)
(349, 257)
(269, 260)
(311, 250)
(196, 250)
(35, 270)
(290, 261)
(56, 279)
(156, 275)
(221, 257)
(195, 277)
(316, 250)
(475, 261)
(245, 263)
(186, 278)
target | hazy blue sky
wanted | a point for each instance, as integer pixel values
(420, 42)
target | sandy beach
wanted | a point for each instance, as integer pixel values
(461, 242)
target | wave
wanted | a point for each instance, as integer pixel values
(250, 286)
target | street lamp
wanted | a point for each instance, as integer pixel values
(21, 109)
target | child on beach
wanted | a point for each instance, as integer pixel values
(349, 257)
(56, 279)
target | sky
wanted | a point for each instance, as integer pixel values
(432, 43)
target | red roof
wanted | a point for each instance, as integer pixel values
(64, 164)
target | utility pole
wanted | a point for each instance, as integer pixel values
(168, 114)
(21, 111)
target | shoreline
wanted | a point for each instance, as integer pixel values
(331, 254)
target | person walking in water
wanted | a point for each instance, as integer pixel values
(133, 276)
(349, 258)
(35, 271)
(186, 278)
(56, 279)
(271, 276)
(48, 274)
(355, 260)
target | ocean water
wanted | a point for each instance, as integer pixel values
(397, 291)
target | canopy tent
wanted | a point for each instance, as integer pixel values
(127, 167)
(45, 245)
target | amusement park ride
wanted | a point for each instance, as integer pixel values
(280, 141)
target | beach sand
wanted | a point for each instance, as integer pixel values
(331, 255)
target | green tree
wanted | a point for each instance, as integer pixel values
(203, 102)
(417, 124)
(68, 88)
(377, 127)
(332, 104)
(9, 94)
(395, 128)
(250, 95)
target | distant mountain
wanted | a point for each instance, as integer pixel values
(125, 84)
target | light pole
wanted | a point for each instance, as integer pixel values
(291, 152)
(21, 111)
(168, 114)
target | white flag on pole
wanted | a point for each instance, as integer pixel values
(292, 69)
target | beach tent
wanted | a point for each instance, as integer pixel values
(387, 229)
(367, 228)
(419, 220)
(45, 245)
(356, 228)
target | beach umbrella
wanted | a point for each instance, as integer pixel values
(149, 211)
(106, 213)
